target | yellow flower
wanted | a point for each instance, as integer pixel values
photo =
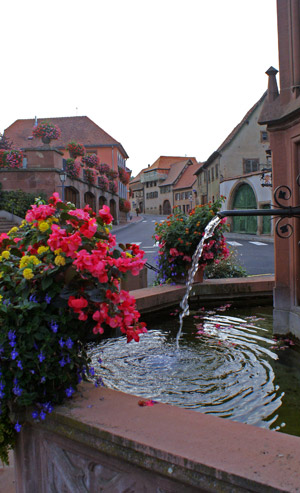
(1, 275)
(0, 258)
(28, 274)
(42, 249)
(34, 260)
(58, 251)
(24, 262)
(5, 254)
(106, 230)
(13, 230)
(128, 255)
(43, 226)
(59, 260)
(1, 297)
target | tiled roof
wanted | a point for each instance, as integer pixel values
(164, 162)
(232, 134)
(236, 129)
(79, 128)
(137, 178)
(175, 170)
(188, 178)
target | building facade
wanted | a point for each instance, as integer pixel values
(235, 171)
(43, 163)
(167, 183)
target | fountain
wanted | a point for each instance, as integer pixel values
(105, 440)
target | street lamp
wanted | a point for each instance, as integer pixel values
(62, 177)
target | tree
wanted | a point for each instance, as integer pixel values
(5, 143)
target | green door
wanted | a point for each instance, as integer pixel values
(245, 199)
(266, 226)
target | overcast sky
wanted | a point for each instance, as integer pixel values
(163, 77)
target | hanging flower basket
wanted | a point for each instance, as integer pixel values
(60, 283)
(103, 182)
(75, 149)
(73, 168)
(46, 131)
(124, 205)
(113, 186)
(11, 159)
(112, 175)
(124, 176)
(90, 160)
(103, 168)
(90, 175)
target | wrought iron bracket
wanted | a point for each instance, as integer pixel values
(281, 212)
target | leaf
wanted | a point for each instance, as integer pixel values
(70, 273)
(16, 252)
(46, 282)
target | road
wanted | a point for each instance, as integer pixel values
(255, 255)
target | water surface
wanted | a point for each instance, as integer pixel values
(227, 364)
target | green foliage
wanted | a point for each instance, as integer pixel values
(17, 202)
(226, 268)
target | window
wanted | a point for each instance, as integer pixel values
(199, 179)
(264, 136)
(212, 174)
(217, 170)
(250, 165)
(208, 176)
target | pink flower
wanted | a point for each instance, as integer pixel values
(105, 215)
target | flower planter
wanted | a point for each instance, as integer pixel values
(197, 279)
(46, 140)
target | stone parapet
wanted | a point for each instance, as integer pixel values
(104, 441)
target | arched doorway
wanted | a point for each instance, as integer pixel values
(244, 199)
(113, 209)
(72, 195)
(90, 199)
(102, 201)
(166, 208)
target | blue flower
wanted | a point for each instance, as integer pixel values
(41, 357)
(69, 343)
(6, 302)
(48, 407)
(14, 354)
(11, 335)
(12, 343)
(70, 391)
(33, 299)
(53, 326)
(42, 415)
(2, 394)
(92, 371)
(35, 414)
(62, 362)
(48, 299)
(16, 390)
(43, 379)
(61, 342)
(18, 427)
(19, 364)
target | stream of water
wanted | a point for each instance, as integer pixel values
(184, 305)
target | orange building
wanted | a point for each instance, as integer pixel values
(41, 167)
